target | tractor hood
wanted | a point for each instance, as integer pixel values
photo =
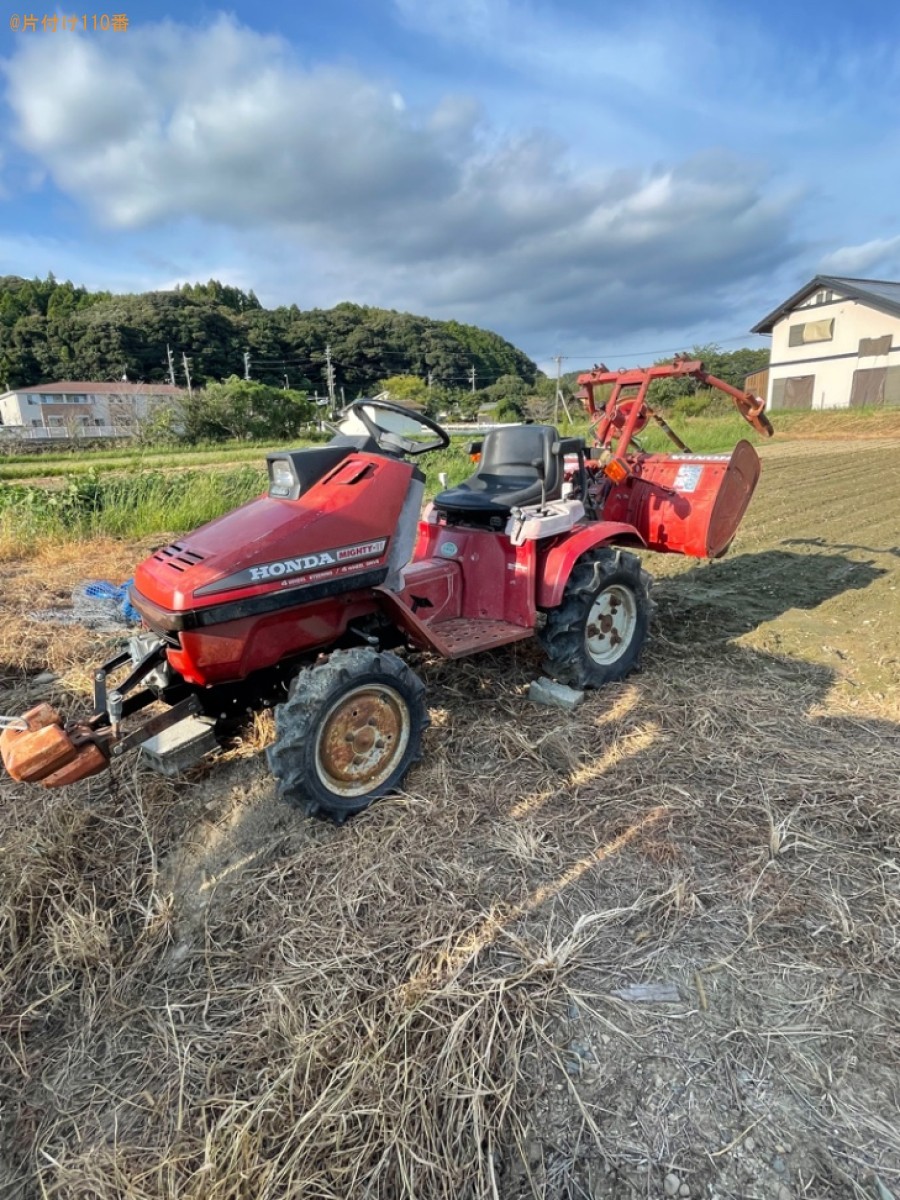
(272, 553)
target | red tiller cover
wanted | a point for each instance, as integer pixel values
(688, 504)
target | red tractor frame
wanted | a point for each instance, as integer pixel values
(302, 598)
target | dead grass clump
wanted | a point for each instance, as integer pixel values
(79, 934)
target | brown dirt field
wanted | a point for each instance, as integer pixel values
(206, 996)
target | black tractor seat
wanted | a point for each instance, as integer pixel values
(518, 466)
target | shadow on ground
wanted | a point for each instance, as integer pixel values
(735, 596)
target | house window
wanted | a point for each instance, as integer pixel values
(875, 387)
(870, 346)
(796, 392)
(811, 331)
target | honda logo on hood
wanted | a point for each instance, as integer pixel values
(334, 561)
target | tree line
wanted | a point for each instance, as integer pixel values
(51, 331)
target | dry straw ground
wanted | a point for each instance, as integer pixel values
(205, 996)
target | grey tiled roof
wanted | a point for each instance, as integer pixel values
(883, 294)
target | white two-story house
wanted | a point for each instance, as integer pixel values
(73, 408)
(835, 343)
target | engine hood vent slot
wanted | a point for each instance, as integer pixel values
(178, 557)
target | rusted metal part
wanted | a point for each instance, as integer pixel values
(363, 738)
(41, 715)
(45, 752)
(89, 760)
(37, 746)
(465, 635)
(39, 749)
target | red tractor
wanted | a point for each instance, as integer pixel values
(299, 598)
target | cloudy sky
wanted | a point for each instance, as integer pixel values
(602, 181)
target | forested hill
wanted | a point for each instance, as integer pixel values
(51, 331)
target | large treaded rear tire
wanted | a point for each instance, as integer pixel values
(348, 732)
(597, 633)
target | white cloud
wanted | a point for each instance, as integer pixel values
(437, 210)
(219, 123)
(881, 254)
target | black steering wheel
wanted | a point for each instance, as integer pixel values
(389, 440)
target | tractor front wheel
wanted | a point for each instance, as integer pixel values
(348, 732)
(597, 633)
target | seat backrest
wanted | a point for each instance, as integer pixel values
(513, 451)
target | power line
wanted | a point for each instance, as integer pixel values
(645, 353)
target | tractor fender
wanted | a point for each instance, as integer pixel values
(557, 565)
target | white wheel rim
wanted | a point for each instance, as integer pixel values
(611, 624)
(362, 740)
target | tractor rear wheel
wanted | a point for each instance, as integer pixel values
(348, 732)
(597, 633)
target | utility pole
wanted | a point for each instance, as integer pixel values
(329, 376)
(246, 364)
(430, 379)
(187, 374)
(343, 401)
(560, 398)
(472, 377)
(171, 365)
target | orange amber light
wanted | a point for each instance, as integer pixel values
(616, 470)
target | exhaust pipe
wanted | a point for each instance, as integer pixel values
(44, 752)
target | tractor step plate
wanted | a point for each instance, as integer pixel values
(179, 746)
(463, 635)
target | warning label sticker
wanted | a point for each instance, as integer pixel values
(688, 477)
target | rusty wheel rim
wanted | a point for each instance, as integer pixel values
(611, 624)
(362, 740)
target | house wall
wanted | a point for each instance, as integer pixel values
(97, 409)
(9, 410)
(831, 363)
